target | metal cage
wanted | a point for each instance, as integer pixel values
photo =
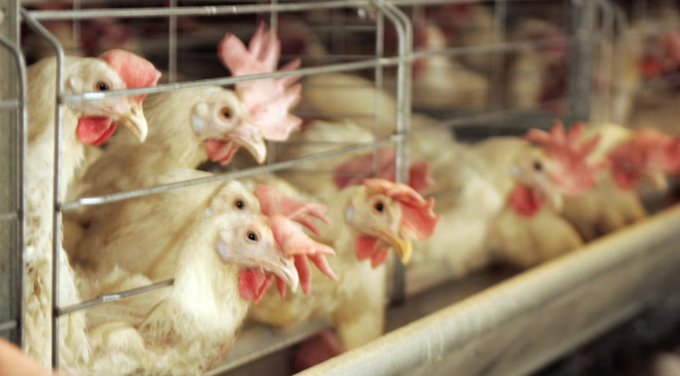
(473, 337)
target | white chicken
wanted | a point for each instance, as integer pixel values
(114, 239)
(191, 345)
(85, 123)
(367, 220)
(536, 77)
(226, 263)
(474, 183)
(441, 81)
(196, 125)
(632, 157)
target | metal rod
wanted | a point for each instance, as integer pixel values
(498, 59)
(54, 15)
(378, 85)
(91, 201)
(8, 216)
(114, 296)
(20, 214)
(9, 104)
(405, 38)
(56, 219)
(172, 44)
(9, 325)
(76, 25)
(344, 67)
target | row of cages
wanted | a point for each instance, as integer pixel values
(278, 133)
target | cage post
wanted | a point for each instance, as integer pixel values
(405, 41)
(12, 126)
(56, 218)
(498, 58)
(172, 44)
(580, 58)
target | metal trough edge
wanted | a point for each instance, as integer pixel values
(522, 324)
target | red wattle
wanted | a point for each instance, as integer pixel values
(525, 201)
(95, 130)
(253, 284)
(220, 151)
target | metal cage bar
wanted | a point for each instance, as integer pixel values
(19, 214)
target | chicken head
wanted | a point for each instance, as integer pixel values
(388, 214)
(646, 154)
(114, 70)
(221, 122)
(248, 241)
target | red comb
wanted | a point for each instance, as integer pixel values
(274, 202)
(576, 174)
(293, 242)
(420, 175)
(268, 100)
(134, 70)
(417, 218)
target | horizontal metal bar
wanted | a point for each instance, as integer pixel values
(343, 67)
(8, 325)
(91, 201)
(8, 216)
(52, 15)
(112, 297)
(9, 104)
(518, 326)
(334, 68)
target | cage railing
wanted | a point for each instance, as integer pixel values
(403, 60)
(18, 215)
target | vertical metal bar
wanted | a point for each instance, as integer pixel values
(12, 277)
(21, 130)
(76, 26)
(274, 17)
(378, 73)
(619, 53)
(56, 219)
(172, 45)
(498, 57)
(580, 69)
(274, 25)
(606, 58)
(405, 42)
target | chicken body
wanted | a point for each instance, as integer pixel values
(604, 208)
(355, 305)
(80, 123)
(150, 246)
(187, 328)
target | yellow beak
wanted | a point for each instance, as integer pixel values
(402, 247)
(135, 121)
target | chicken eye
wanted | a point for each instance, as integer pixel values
(239, 204)
(102, 86)
(538, 166)
(251, 236)
(379, 206)
(225, 113)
